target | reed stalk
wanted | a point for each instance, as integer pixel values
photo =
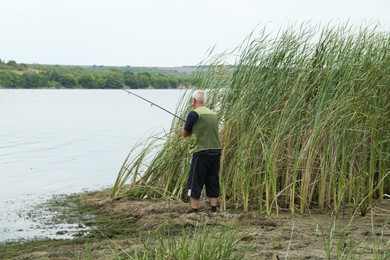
(304, 122)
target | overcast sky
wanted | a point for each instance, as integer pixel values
(156, 32)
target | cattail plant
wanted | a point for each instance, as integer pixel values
(304, 122)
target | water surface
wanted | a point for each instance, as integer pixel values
(66, 141)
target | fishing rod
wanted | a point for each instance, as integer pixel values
(154, 104)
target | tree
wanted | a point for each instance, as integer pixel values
(87, 81)
(161, 82)
(53, 75)
(131, 80)
(9, 79)
(144, 80)
(33, 80)
(12, 63)
(174, 81)
(68, 80)
(114, 80)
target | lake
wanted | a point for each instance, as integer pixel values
(66, 141)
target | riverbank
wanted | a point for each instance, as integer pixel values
(121, 228)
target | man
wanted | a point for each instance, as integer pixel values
(202, 129)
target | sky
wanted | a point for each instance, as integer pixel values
(158, 33)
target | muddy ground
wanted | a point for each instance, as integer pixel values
(110, 228)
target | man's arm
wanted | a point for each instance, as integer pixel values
(192, 118)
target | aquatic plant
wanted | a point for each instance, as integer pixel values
(304, 123)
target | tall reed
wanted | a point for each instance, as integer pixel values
(304, 122)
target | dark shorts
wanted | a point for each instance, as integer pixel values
(204, 171)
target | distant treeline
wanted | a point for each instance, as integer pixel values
(14, 75)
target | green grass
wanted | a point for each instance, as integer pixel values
(196, 243)
(304, 123)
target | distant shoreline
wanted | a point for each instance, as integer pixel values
(38, 76)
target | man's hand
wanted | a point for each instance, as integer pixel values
(184, 133)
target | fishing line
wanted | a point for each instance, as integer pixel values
(154, 104)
